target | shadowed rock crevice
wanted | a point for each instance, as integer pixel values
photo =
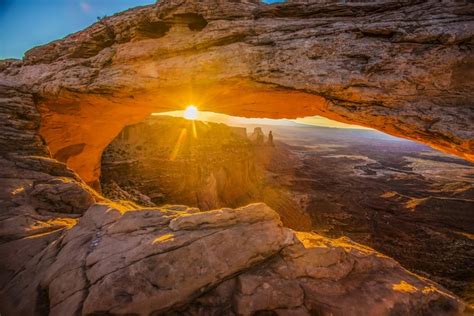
(195, 22)
(73, 150)
(42, 303)
(150, 29)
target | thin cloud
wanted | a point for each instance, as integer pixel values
(85, 7)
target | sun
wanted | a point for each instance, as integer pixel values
(191, 112)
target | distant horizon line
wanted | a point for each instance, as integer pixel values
(310, 121)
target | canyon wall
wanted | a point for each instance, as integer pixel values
(405, 68)
(174, 160)
(166, 160)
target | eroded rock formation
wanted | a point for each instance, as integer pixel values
(173, 160)
(232, 262)
(257, 137)
(169, 160)
(413, 197)
(405, 68)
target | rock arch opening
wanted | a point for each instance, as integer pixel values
(248, 59)
(78, 127)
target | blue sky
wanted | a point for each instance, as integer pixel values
(28, 23)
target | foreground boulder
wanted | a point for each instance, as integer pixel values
(176, 259)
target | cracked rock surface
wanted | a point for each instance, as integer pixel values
(176, 259)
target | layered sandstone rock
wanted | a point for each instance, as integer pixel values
(257, 137)
(229, 261)
(402, 67)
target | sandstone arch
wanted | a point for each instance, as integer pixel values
(403, 68)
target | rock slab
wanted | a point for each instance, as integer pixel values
(176, 259)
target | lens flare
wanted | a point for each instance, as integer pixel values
(191, 113)
(177, 147)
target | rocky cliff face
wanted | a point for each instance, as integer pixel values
(404, 210)
(402, 67)
(199, 164)
(173, 160)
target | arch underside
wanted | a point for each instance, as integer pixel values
(374, 66)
